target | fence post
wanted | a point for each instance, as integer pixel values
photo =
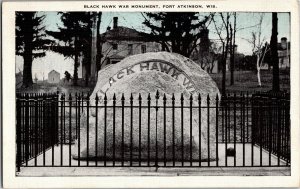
(105, 122)
(131, 125)
(164, 104)
(247, 114)
(61, 129)
(224, 103)
(270, 129)
(19, 130)
(26, 128)
(156, 146)
(279, 132)
(140, 126)
(243, 105)
(122, 145)
(173, 128)
(78, 110)
(44, 108)
(260, 128)
(253, 120)
(52, 124)
(96, 129)
(36, 130)
(199, 115)
(148, 134)
(114, 128)
(234, 127)
(88, 127)
(287, 126)
(70, 127)
(191, 129)
(182, 139)
(217, 132)
(208, 129)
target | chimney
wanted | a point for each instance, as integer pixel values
(235, 49)
(108, 28)
(283, 42)
(204, 40)
(115, 22)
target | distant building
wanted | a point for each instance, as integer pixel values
(120, 42)
(204, 54)
(19, 79)
(237, 59)
(53, 77)
(283, 49)
(284, 53)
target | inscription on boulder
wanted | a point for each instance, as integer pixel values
(152, 65)
(135, 134)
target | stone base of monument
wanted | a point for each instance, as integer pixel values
(164, 140)
(169, 74)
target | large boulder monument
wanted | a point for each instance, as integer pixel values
(151, 132)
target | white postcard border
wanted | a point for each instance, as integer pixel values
(8, 51)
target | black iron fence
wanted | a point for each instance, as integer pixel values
(271, 123)
(37, 125)
(157, 130)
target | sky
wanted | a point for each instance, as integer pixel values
(42, 66)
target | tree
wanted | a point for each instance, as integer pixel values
(274, 52)
(177, 32)
(30, 41)
(225, 40)
(75, 39)
(99, 42)
(259, 47)
(233, 30)
(207, 57)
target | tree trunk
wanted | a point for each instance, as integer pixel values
(27, 56)
(27, 72)
(75, 75)
(224, 68)
(232, 57)
(274, 53)
(258, 71)
(99, 45)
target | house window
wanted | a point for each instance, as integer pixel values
(143, 47)
(130, 49)
(115, 46)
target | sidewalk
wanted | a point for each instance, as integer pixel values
(66, 161)
(151, 171)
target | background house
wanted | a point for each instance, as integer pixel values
(284, 53)
(19, 79)
(283, 49)
(120, 42)
(53, 77)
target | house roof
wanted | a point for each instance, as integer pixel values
(279, 47)
(124, 33)
(116, 56)
(53, 71)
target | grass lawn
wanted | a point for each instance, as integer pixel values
(44, 87)
(247, 81)
(244, 81)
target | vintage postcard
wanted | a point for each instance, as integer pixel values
(150, 94)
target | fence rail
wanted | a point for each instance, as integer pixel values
(159, 130)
